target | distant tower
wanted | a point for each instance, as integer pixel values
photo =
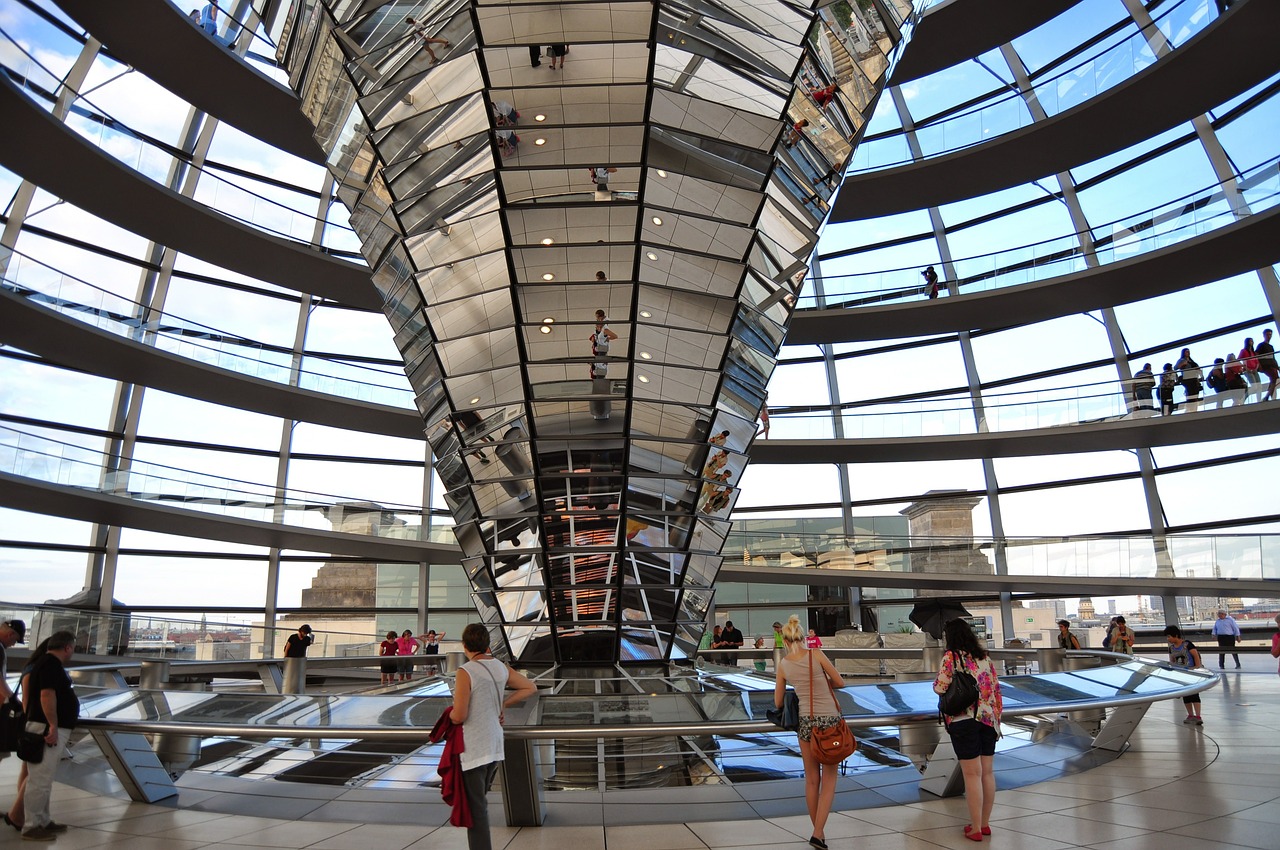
(1086, 609)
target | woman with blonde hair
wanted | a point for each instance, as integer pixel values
(809, 671)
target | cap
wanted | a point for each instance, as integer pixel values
(777, 625)
(19, 627)
(304, 628)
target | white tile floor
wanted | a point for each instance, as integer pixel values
(1178, 788)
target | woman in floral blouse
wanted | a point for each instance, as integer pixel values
(974, 733)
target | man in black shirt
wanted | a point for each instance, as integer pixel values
(50, 701)
(730, 638)
(296, 645)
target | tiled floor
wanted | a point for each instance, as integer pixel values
(1178, 788)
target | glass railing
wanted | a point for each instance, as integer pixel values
(1231, 556)
(1184, 218)
(1016, 411)
(146, 636)
(156, 161)
(65, 464)
(84, 302)
(1114, 60)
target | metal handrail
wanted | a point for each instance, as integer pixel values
(538, 733)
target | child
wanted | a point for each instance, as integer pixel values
(813, 641)
(1183, 653)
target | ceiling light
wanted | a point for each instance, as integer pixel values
(643, 379)
(548, 276)
(546, 329)
(475, 400)
(661, 173)
(549, 320)
(548, 241)
(539, 118)
(646, 314)
(646, 355)
(539, 142)
(657, 221)
(651, 255)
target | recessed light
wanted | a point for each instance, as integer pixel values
(657, 221)
(646, 314)
(546, 329)
(643, 379)
(646, 355)
(549, 320)
(661, 173)
(651, 255)
(539, 118)
(548, 276)
(475, 400)
(548, 241)
(539, 142)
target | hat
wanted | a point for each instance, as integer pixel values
(777, 625)
(19, 627)
(304, 628)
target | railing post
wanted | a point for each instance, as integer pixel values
(153, 676)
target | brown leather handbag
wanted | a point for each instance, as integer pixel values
(835, 743)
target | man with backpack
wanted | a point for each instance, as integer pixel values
(1066, 638)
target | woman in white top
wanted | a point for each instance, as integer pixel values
(478, 701)
(818, 709)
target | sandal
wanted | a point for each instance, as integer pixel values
(10, 822)
(817, 842)
(972, 833)
(986, 830)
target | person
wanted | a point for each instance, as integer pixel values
(535, 56)
(823, 96)
(974, 733)
(1191, 378)
(406, 645)
(718, 459)
(420, 31)
(48, 699)
(600, 176)
(12, 633)
(719, 439)
(1217, 378)
(296, 645)
(796, 133)
(1183, 653)
(805, 671)
(1066, 638)
(931, 282)
(759, 663)
(432, 647)
(715, 642)
(1168, 381)
(1121, 637)
(195, 17)
(764, 418)
(508, 142)
(558, 52)
(1267, 363)
(1144, 383)
(209, 19)
(1237, 386)
(1275, 643)
(812, 641)
(601, 276)
(1227, 631)
(731, 638)
(778, 642)
(600, 338)
(478, 703)
(388, 649)
(504, 113)
(1249, 360)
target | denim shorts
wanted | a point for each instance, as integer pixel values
(972, 738)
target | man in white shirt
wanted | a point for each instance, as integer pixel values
(1227, 633)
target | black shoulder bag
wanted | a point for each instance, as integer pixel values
(962, 693)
